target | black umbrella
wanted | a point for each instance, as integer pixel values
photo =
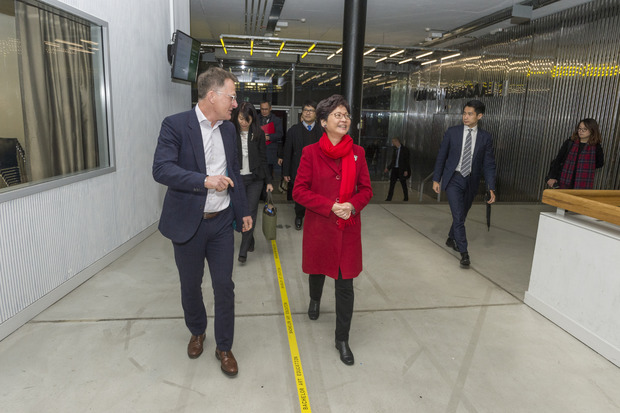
(487, 197)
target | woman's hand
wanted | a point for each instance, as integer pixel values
(343, 211)
(552, 182)
(269, 188)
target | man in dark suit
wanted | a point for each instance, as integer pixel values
(272, 125)
(196, 158)
(300, 135)
(465, 155)
(400, 167)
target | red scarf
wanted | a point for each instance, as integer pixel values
(579, 166)
(343, 150)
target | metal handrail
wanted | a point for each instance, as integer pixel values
(421, 187)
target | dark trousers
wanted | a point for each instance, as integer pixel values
(214, 241)
(395, 175)
(253, 188)
(300, 210)
(460, 197)
(344, 301)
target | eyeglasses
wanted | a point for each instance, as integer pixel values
(339, 115)
(582, 129)
(309, 110)
(232, 97)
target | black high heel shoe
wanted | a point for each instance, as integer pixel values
(313, 309)
(346, 355)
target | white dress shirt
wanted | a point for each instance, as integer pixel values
(474, 133)
(245, 158)
(215, 159)
(308, 124)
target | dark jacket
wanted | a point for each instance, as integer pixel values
(297, 138)
(404, 163)
(256, 155)
(482, 164)
(179, 163)
(555, 169)
(274, 138)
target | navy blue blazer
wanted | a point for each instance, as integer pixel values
(179, 163)
(482, 164)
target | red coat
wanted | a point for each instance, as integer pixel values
(326, 248)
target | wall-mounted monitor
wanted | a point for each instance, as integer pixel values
(185, 57)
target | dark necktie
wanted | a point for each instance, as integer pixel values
(309, 127)
(466, 163)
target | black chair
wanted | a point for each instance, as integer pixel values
(12, 163)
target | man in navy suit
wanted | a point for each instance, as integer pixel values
(196, 158)
(465, 155)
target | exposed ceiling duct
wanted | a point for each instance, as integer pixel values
(274, 16)
(255, 11)
(486, 21)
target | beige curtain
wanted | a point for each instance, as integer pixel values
(57, 94)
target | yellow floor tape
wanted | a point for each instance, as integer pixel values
(302, 392)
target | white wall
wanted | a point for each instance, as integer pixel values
(52, 241)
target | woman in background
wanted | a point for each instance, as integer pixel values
(578, 158)
(334, 185)
(251, 149)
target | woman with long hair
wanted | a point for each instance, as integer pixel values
(251, 149)
(578, 158)
(334, 185)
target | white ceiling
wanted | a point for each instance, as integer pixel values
(389, 22)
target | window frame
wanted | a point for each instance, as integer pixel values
(104, 101)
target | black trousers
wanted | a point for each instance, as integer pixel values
(460, 197)
(253, 187)
(344, 301)
(395, 175)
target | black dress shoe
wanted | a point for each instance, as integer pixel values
(346, 356)
(388, 199)
(450, 242)
(313, 309)
(298, 222)
(242, 259)
(465, 260)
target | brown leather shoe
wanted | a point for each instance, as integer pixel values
(229, 364)
(194, 348)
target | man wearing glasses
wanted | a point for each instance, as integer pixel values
(300, 135)
(196, 158)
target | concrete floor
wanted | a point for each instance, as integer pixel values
(427, 335)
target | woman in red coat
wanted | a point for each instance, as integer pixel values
(334, 185)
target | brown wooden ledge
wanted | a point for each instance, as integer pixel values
(599, 204)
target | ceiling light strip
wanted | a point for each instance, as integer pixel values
(424, 55)
(369, 51)
(451, 56)
(428, 63)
